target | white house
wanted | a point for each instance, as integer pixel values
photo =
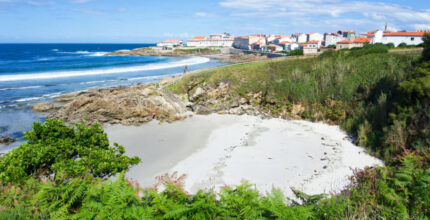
(409, 38)
(170, 43)
(282, 39)
(199, 41)
(357, 42)
(376, 36)
(246, 42)
(332, 38)
(275, 48)
(300, 38)
(348, 35)
(314, 36)
(215, 40)
(314, 43)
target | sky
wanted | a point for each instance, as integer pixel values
(149, 21)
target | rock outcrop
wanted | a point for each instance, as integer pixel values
(7, 140)
(122, 105)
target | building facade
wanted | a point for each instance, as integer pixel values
(215, 40)
(332, 38)
(314, 36)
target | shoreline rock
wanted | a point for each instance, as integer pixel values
(4, 140)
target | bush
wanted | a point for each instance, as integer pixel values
(296, 52)
(54, 149)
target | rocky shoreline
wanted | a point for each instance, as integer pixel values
(138, 104)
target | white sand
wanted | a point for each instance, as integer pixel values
(219, 150)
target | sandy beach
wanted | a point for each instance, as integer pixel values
(218, 150)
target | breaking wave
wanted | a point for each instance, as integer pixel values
(63, 74)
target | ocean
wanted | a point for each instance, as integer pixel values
(32, 73)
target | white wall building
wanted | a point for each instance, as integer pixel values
(170, 43)
(409, 38)
(215, 40)
(245, 42)
(314, 36)
(300, 38)
(332, 38)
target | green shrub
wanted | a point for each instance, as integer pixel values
(52, 148)
(296, 52)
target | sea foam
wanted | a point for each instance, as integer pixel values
(63, 74)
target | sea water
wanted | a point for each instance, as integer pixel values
(32, 73)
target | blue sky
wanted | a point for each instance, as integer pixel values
(140, 21)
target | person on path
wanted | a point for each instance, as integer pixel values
(153, 115)
(185, 69)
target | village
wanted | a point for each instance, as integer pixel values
(300, 43)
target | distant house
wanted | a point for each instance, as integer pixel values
(376, 36)
(344, 44)
(311, 47)
(282, 39)
(300, 38)
(314, 36)
(275, 48)
(198, 41)
(271, 38)
(250, 42)
(289, 46)
(409, 38)
(332, 38)
(357, 42)
(214, 40)
(348, 35)
(170, 43)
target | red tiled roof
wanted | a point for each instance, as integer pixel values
(362, 40)
(285, 42)
(313, 42)
(198, 38)
(351, 31)
(404, 34)
(344, 42)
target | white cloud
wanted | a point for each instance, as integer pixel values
(335, 10)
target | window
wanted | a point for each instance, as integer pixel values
(412, 38)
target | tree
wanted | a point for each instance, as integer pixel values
(59, 151)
